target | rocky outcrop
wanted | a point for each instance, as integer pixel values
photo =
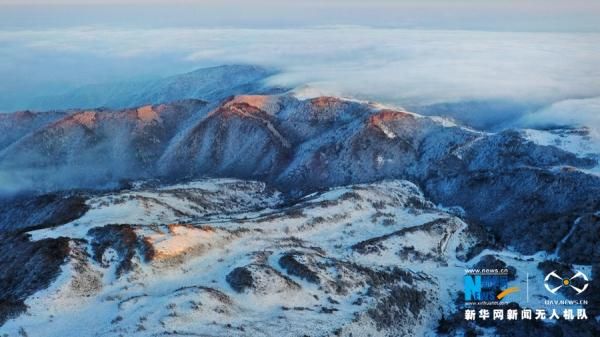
(290, 262)
(260, 279)
(124, 241)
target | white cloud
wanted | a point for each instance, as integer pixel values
(403, 67)
(580, 112)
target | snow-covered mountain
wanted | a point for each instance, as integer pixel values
(226, 257)
(332, 263)
(206, 84)
(274, 215)
(14, 126)
(94, 147)
(302, 146)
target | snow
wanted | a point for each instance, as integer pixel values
(168, 204)
(199, 257)
(184, 288)
(582, 142)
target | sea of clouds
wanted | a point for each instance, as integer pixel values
(487, 79)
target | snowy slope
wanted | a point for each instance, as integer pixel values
(582, 141)
(296, 269)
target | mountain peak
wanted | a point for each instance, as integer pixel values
(147, 114)
(266, 103)
(85, 118)
(388, 115)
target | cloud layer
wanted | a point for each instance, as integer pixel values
(396, 66)
(585, 112)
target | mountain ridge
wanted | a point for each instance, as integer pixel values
(209, 84)
(302, 146)
(312, 207)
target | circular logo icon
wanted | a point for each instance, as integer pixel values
(565, 282)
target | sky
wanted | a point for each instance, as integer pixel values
(535, 53)
(511, 15)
